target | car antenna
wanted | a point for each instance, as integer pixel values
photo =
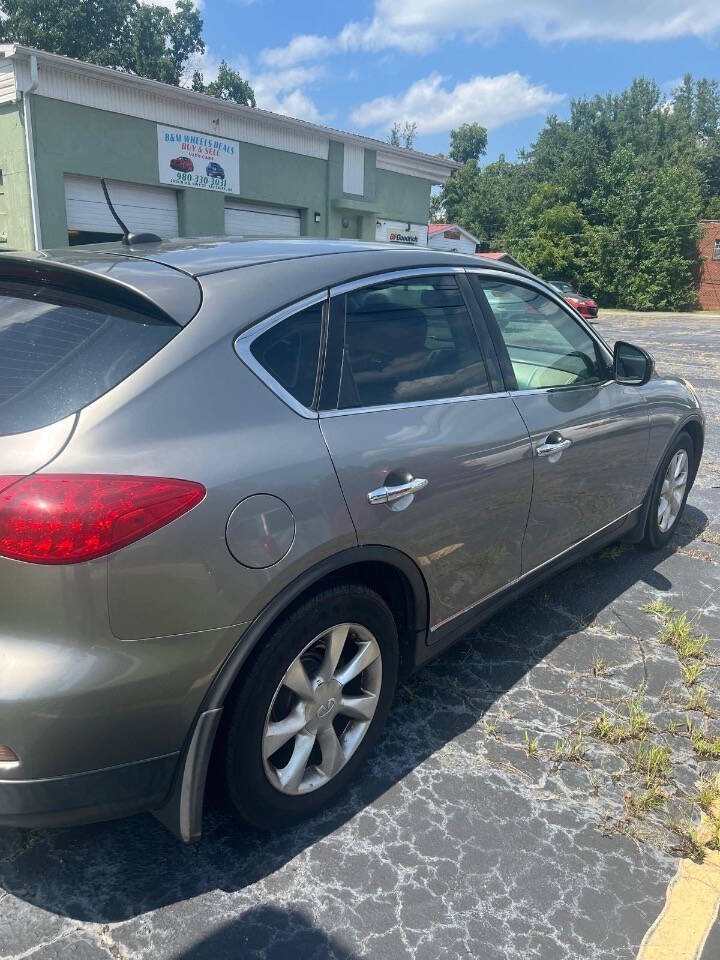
(129, 239)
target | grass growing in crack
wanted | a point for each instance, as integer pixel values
(614, 731)
(708, 795)
(639, 717)
(605, 728)
(653, 763)
(615, 551)
(639, 806)
(706, 748)
(677, 632)
(531, 745)
(658, 608)
(712, 833)
(688, 842)
(691, 673)
(599, 667)
(570, 749)
(699, 701)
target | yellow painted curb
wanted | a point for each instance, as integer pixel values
(691, 908)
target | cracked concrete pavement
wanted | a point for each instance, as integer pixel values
(470, 834)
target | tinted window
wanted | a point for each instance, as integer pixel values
(289, 352)
(59, 352)
(408, 341)
(547, 347)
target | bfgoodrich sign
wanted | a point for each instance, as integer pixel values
(190, 159)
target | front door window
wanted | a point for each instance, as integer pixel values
(547, 347)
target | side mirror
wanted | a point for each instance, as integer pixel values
(632, 365)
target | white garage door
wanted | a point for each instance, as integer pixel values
(254, 220)
(153, 209)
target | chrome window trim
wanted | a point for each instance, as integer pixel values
(346, 411)
(243, 348)
(532, 391)
(390, 276)
(523, 576)
(555, 297)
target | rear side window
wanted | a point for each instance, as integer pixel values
(408, 341)
(290, 351)
(59, 352)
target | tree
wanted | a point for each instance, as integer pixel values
(228, 86)
(468, 142)
(141, 38)
(608, 199)
(162, 42)
(94, 30)
(402, 136)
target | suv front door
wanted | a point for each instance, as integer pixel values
(589, 434)
(411, 401)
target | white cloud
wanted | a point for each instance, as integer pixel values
(278, 90)
(491, 101)
(418, 26)
(282, 92)
(301, 47)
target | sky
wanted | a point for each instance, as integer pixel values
(506, 64)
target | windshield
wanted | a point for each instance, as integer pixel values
(59, 352)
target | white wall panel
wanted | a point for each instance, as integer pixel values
(7, 81)
(118, 97)
(354, 169)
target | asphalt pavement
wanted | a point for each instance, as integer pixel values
(512, 810)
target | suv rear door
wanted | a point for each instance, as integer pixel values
(432, 455)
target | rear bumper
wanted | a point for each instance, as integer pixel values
(87, 797)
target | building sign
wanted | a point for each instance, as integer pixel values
(190, 159)
(408, 234)
(452, 234)
(395, 236)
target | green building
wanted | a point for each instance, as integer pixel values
(179, 163)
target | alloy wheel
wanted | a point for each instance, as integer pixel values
(673, 490)
(322, 709)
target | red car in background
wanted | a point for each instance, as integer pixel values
(585, 306)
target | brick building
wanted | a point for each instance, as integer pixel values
(709, 290)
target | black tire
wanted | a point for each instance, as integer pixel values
(252, 797)
(654, 538)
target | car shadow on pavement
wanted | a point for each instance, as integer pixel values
(269, 931)
(107, 873)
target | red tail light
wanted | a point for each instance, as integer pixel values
(70, 518)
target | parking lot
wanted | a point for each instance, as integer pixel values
(511, 811)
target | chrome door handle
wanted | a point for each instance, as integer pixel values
(391, 494)
(553, 447)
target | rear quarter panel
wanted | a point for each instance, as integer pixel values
(196, 412)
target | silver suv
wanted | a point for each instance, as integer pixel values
(245, 484)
